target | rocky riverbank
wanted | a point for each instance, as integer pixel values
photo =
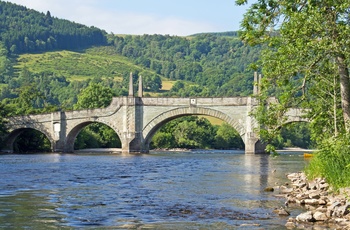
(326, 209)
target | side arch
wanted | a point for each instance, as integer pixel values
(151, 128)
(14, 133)
(75, 130)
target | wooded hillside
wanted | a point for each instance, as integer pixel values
(24, 30)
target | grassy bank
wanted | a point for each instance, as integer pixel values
(332, 162)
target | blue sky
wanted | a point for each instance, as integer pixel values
(175, 17)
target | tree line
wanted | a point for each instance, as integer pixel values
(217, 64)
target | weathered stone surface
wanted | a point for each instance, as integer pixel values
(320, 216)
(305, 217)
(314, 195)
(290, 225)
(285, 190)
(331, 210)
(283, 212)
(311, 201)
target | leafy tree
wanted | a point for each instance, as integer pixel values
(152, 83)
(96, 135)
(227, 137)
(308, 50)
(307, 64)
(3, 129)
(94, 96)
(5, 63)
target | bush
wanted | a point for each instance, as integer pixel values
(332, 162)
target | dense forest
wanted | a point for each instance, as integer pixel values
(83, 59)
(44, 33)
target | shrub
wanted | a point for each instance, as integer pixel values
(332, 162)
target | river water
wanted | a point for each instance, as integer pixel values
(161, 190)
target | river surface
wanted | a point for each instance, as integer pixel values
(161, 190)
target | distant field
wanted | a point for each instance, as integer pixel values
(213, 120)
(166, 85)
(94, 62)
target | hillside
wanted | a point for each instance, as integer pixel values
(45, 31)
(55, 59)
(90, 63)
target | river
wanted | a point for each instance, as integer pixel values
(160, 190)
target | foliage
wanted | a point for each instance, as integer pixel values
(227, 137)
(306, 63)
(306, 66)
(332, 161)
(94, 96)
(3, 129)
(32, 141)
(217, 64)
(196, 133)
(97, 136)
(44, 33)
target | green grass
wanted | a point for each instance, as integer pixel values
(332, 162)
(94, 62)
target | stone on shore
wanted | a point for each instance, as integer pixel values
(325, 206)
(305, 217)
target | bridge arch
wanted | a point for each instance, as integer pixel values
(152, 127)
(15, 133)
(76, 129)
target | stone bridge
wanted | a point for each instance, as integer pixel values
(136, 120)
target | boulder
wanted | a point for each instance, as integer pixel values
(283, 212)
(314, 195)
(311, 201)
(305, 217)
(320, 216)
(285, 190)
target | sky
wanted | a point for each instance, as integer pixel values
(138, 17)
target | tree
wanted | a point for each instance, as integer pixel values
(94, 96)
(310, 45)
(227, 137)
(3, 129)
(95, 135)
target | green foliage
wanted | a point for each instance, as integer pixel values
(24, 30)
(32, 141)
(227, 137)
(152, 83)
(332, 161)
(213, 62)
(97, 136)
(306, 65)
(3, 128)
(94, 96)
(295, 134)
(196, 133)
(5, 64)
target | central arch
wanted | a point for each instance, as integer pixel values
(73, 133)
(151, 128)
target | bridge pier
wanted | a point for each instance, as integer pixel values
(253, 145)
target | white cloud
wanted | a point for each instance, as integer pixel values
(89, 13)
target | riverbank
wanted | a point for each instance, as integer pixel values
(325, 207)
